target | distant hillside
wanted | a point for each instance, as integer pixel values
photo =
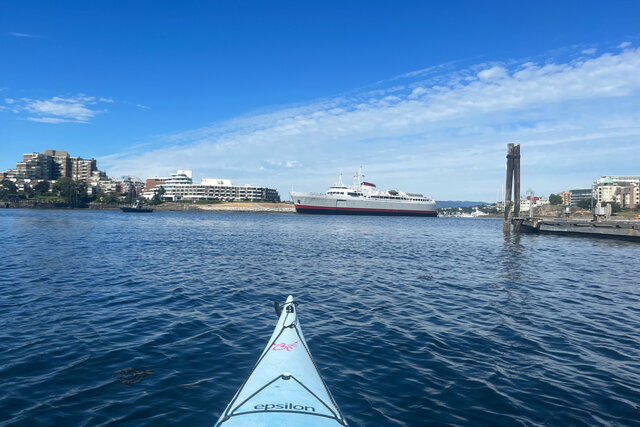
(458, 203)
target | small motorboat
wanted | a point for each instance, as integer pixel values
(137, 207)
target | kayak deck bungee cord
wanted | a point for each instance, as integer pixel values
(284, 388)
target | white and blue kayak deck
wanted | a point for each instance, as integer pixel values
(284, 388)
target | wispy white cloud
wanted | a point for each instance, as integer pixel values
(590, 51)
(74, 109)
(443, 134)
(496, 72)
(143, 107)
(23, 35)
(50, 120)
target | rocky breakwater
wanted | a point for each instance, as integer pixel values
(33, 204)
(558, 211)
(229, 207)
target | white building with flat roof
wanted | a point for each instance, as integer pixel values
(618, 179)
(216, 181)
(180, 186)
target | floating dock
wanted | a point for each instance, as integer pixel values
(625, 230)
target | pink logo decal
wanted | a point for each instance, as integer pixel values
(284, 346)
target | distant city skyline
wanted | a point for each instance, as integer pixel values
(424, 96)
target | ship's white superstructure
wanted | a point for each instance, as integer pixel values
(363, 198)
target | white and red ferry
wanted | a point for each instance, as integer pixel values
(363, 198)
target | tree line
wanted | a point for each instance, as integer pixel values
(69, 191)
(556, 199)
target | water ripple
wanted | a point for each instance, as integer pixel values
(108, 318)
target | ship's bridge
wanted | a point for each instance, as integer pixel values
(337, 190)
(343, 191)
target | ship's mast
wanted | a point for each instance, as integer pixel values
(356, 177)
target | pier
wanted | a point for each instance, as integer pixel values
(601, 226)
(625, 230)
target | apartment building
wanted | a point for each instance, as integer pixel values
(152, 183)
(34, 166)
(621, 189)
(81, 169)
(61, 163)
(53, 164)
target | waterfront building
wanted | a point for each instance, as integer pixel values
(152, 183)
(180, 186)
(61, 163)
(34, 166)
(100, 182)
(131, 185)
(618, 179)
(53, 164)
(182, 178)
(175, 180)
(81, 169)
(575, 196)
(621, 189)
(626, 196)
(136, 183)
(525, 203)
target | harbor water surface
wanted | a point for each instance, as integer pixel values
(156, 319)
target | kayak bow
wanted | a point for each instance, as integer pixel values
(284, 388)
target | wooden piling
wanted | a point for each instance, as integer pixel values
(516, 180)
(506, 227)
(516, 186)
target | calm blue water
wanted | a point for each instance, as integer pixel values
(112, 318)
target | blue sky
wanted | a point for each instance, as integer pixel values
(425, 95)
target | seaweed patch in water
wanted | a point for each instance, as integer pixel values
(132, 376)
(189, 386)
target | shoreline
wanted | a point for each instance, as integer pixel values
(245, 207)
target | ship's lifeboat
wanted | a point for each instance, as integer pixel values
(368, 184)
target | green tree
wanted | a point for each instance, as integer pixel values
(586, 203)
(615, 208)
(131, 195)
(110, 198)
(10, 186)
(555, 199)
(157, 195)
(28, 191)
(8, 189)
(42, 187)
(72, 192)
